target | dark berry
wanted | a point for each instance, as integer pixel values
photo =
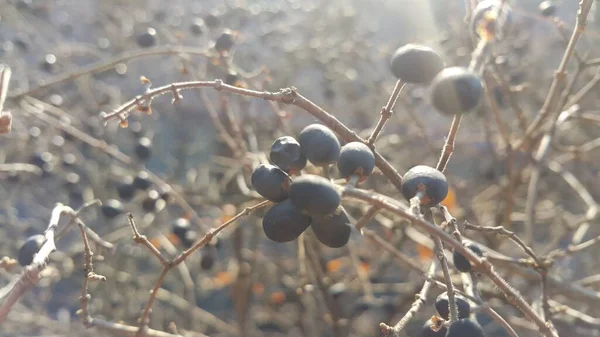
(319, 144)
(149, 203)
(208, 257)
(212, 21)
(231, 78)
(270, 182)
(147, 38)
(456, 90)
(29, 248)
(356, 158)
(314, 195)
(442, 306)
(197, 27)
(483, 19)
(42, 160)
(112, 208)
(143, 148)
(142, 181)
(461, 262)
(126, 188)
(547, 8)
(465, 328)
(49, 62)
(428, 180)
(284, 223)
(427, 331)
(189, 238)
(332, 230)
(225, 41)
(180, 228)
(413, 63)
(287, 155)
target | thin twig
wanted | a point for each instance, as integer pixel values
(287, 95)
(386, 113)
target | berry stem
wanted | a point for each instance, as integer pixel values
(439, 253)
(386, 113)
(477, 58)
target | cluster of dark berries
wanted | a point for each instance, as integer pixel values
(465, 326)
(310, 200)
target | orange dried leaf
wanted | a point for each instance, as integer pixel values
(364, 267)
(155, 242)
(334, 265)
(425, 254)
(174, 239)
(277, 297)
(450, 200)
(223, 278)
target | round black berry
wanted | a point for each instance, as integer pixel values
(231, 78)
(485, 18)
(414, 63)
(225, 41)
(112, 208)
(428, 180)
(314, 195)
(287, 154)
(197, 26)
(126, 188)
(212, 20)
(356, 158)
(427, 331)
(143, 148)
(180, 228)
(29, 248)
(319, 144)
(284, 223)
(461, 262)
(43, 160)
(547, 8)
(456, 90)
(149, 203)
(142, 181)
(465, 328)
(189, 239)
(442, 306)
(270, 182)
(208, 257)
(332, 230)
(147, 38)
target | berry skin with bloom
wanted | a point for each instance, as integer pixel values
(356, 158)
(270, 182)
(284, 223)
(29, 248)
(414, 63)
(314, 195)
(332, 230)
(319, 144)
(287, 154)
(427, 179)
(461, 262)
(456, 91)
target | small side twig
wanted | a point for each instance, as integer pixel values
(386, 113)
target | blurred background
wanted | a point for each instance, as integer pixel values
(73, 59)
